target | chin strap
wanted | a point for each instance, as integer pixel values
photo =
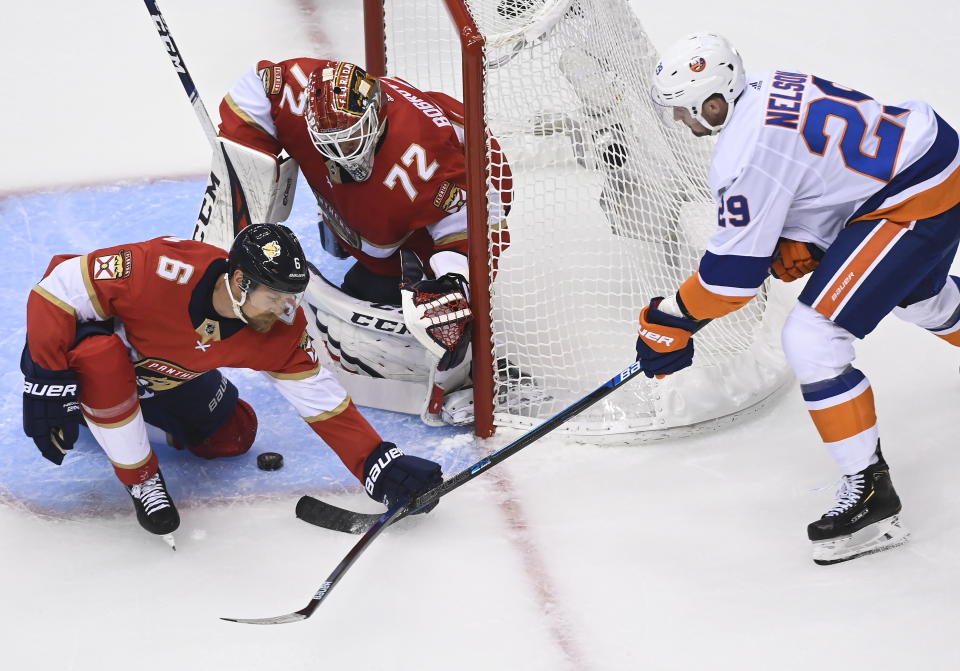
(233, 301)
(719, 127)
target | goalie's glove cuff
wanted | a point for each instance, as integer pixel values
(437, 312)
(393, 478)
(448, 262)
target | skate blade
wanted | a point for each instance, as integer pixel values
(169, 540)
(877, 537)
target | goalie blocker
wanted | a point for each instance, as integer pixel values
(245, 186)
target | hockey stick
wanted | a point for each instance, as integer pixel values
(325, 515)
(181, 67)
(382, 523)
(372, 525)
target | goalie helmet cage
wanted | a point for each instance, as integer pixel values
(608, 207)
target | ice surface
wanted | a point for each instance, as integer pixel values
(675, 555)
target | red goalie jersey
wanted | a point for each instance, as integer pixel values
(415, 196)
(159, 295)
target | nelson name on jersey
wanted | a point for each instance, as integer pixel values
(783, 103)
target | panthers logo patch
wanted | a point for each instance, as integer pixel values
(450, 198)
(272, 78)
(271, 250)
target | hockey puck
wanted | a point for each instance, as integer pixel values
(269, 461)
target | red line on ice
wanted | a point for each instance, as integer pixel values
(535, 567)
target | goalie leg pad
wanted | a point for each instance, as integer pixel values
(362, 337)
(378, 360)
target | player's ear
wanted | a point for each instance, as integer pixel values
(715, 109)
(236, 280)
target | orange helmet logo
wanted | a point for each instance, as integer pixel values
(698, 64)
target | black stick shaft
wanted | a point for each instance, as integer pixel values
(176, 59)
(389, 517)
(530, 436)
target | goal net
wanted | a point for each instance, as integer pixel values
(607, 208)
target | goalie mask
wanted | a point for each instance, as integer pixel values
(344, 115)
(274, 270)
(691, 71)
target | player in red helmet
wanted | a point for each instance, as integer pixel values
(344, 116)
(386, 163)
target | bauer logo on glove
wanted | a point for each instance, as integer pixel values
(664, 341)
(656, 338)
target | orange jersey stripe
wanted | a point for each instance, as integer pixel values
(952, 338)
(845, 280)
(846, 419)
(923, 205)
(702, 303)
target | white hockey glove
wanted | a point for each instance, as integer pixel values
(437, 312)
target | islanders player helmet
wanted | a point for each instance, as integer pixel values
(696, 68)
(345, 115)
(273, 267)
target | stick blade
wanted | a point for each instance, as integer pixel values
(322, 514)
(279, 619)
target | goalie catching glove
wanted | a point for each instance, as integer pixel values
(393, 478)
(665, 341)
(437, 312)
(793, 259)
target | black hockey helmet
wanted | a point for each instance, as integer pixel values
(271, 255)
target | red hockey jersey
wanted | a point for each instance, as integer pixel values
(416, 195)
(159, 294)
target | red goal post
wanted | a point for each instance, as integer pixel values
(471, 44)
(608, 208)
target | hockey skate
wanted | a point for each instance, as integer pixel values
(155, 510)
(865, 519)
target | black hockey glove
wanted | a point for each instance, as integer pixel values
(437, 312)
(51, 411)
(392, 477)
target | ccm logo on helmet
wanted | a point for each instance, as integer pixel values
(656, 337)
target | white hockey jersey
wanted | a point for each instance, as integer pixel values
(801, 158)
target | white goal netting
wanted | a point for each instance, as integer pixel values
(608, 208)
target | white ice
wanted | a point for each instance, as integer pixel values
(680, 555)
